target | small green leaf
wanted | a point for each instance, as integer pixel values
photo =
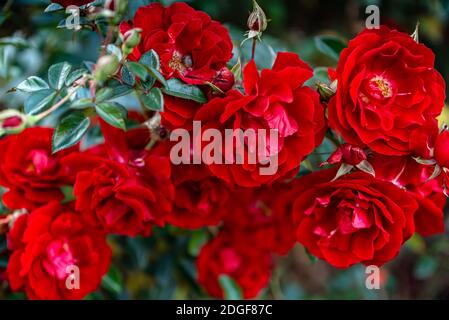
(75, 75)
(39, 101)
(138, 70)
(151, 60)
(154, 100)
(119, 91)
(196, 242)
(103, 94)
(330, 45)
(70, 131)
(82, 103)
(113, 49)
(158, 76)
(230, 288)
(54, 7)
(177, 88)
(127, 76)
(32, 84)
(57, 74)
(113, 113)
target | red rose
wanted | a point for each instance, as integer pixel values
(130, 192)
(275, 100)
(29, 170)
(387, 88)
(353, 219)
(46, 244)
(67, 3)
(178, 113)
(411, 176)
(348, 154)
(263, 217)
(248, 267)
(191, 46)
(441, 151)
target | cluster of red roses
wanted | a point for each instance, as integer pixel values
(385, 107)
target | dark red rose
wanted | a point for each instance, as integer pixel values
(67, 3)
(275, 100)
(348, 154)
(387, 88)
(355, 219)
(29, 170)
(249, 267)
(441, 151)
(411, 176)
(263, 217)
(224, 79)
(46, 244)
(128, 193)
(422, 140)
(178, 113)
(191, 46)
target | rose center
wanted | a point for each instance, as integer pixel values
(59, 258)
(380, 88)
(179, 62)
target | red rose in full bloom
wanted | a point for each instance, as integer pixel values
(355, 219)
(46, 244)
(128, 193)
(387, 88)
(29, 170)
(191, 46)
(411, 176)
(249, 267)
(66, 3)
(263, 216)
(275, 100)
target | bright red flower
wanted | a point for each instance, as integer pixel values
(30, 171)
(46, 245)
(178, 113)
(128, 193)
(387, 88)
(66, 3)
(411, 176)
(191, 46)
(275, 100)
(355, 219)
(348, 154)
(249, 267)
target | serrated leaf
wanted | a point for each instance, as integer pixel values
(75, 75)
(330, 45)
(70, 131)
(57, 74)
(127, 76)
(32, 84)
(154, 100)
(39, 101)
(138, 69)
(113, 113)
(177, 88)
(54, 7)
(231, 290)
(151, 60)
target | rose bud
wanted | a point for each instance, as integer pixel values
(441, 151)
(257, 20)
(106, 67)
(224, 80)
(326, 91)
(130, 40)
(348, 154)
(12, 122)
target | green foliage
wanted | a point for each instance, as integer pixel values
(70, 131)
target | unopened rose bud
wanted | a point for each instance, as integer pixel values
(106, 67)
(12, 122)
(131, 39)
(257, 20)
(441, 151)
(347, 154)
(224, 79)
(326, 91)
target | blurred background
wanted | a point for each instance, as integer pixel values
(163, 266)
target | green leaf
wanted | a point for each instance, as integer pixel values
(138, 70)
(75, 75)
(113, 49)
(154, 100)
(196, 242)
(151, 60)
(57, 74)
(82, 103)
(330, 45)
(158, 76)
(127, 76)
(230, 288)
(32, 84)
(54, 7)
(177, 88)
(113, 113)
(119, 91)
(70, 131)
(112, 281)
(39, 101)
(103, 95)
